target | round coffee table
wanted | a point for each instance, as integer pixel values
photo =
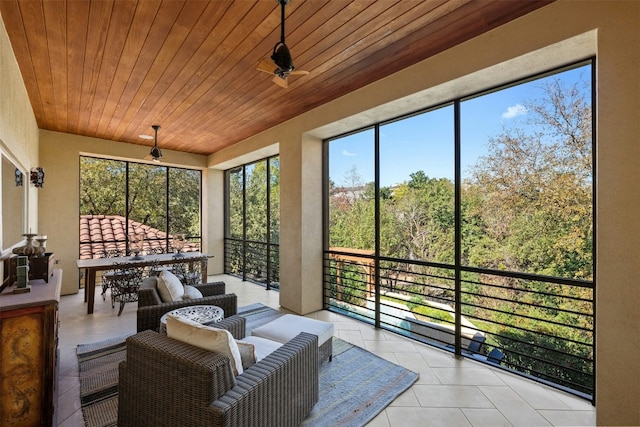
(196, 313)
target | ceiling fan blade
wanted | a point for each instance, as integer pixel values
(149, 157)
(267, 66)
(280, 81)
(298, 73)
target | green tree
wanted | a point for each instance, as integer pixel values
(536, 188)
(101, 186)
(528, 208)
(105, 183)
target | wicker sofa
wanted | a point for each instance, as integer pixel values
(165, 382)
(151, 308)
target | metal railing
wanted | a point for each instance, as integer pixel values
(536, 326)
(258, 262)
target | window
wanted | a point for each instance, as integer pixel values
(119, 198)
(473, 220)
(252, 222)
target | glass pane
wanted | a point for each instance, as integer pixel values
(351, 192)
(184, 204)
(256, 201)
(416, 187)
(274, 214)
(102, 186)
(527, 165)
(102, 207)
(148, 202)
(235, 203)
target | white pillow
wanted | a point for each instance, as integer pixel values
(206, 337)
(169, 287)
(191, 292)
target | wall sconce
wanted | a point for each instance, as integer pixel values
(19, 178)
(37, 177)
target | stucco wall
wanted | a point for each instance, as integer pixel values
(59, 199)
(18, 127)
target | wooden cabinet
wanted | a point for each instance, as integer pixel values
(28, 355)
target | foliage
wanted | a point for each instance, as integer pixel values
(254, 218)
(526, 207)
(426, 312)
(104, 185)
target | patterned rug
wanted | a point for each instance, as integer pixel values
(355, 387)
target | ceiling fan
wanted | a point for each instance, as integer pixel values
(280, 63)
(155, 152)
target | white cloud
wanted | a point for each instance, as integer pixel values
(348, 153)
(513, 111)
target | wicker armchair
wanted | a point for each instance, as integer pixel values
(151, 308)
(165, 382)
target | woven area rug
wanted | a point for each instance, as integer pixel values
(355, 387)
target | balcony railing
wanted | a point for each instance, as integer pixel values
(258, 262)
(536, 326)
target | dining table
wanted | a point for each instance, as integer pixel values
(93, 265)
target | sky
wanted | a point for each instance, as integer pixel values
(426, 142)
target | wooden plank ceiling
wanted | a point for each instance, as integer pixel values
(111, 69)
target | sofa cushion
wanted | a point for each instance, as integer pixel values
(191, 292)
(206, 337)
(284, 328)
(247, 354)
(169, 287)
(262, 346)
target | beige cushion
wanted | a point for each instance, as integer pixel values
(247, 354)
(206, 337)
(191, 292)
(286, 327)
(169, 287)
(262, 346)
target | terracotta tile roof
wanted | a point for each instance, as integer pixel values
(107, 233)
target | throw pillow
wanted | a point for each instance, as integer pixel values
(262, 346)
(191, 292)
(247, 354)
(169, 287)
(206, 337)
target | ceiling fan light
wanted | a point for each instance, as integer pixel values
(282, 58)
(155, 153)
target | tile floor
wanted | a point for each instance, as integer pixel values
(450, 392)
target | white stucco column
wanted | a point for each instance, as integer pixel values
(617, 210)
(213, 219)
(301, 224)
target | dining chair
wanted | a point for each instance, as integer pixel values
(190, 270)
(107, 276)
(127, 278)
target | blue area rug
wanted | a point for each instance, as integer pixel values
(355, 387)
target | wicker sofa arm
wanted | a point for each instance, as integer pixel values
(163, 376)
(167, 382)
(237, 325)
(280, 390)
(211, 288)
(148, 317)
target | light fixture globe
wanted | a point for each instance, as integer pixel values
(155, 152)
(282, 58)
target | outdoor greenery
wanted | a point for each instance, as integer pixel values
(526, 207)
(255, 211)
(526, 211)
(104, 185)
